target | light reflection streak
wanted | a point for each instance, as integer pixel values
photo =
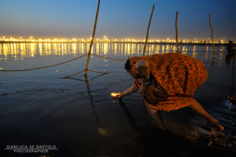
(74, 48)
(194, 48)
(91, 50)
(102, 49)
(23, 50)
(157, 49)
(87, 47)
(1, 49)
(125, 49)
(174, 48)
(115, 51)
(128, 48)
(14, 51)
(5, 49)
(149, 50)
(105, 48)
(97, 48)
(167, 47)
(133, 49)
(221, 56)
(11, 48)
(222, 49)
(49, 49)
(137, 49)
(82, 48)
(59, 48)
(122, 49)
(118, 49)
(40, 49)
(184, 50)
(153, 49)
(46, 48)
(55, 47)
(163, 49)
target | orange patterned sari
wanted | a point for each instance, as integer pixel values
(176, 77)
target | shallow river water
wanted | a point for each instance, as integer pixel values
(76, 116)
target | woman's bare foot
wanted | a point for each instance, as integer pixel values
(210, 121)
(214, 123)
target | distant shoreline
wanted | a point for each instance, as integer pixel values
(120, 42)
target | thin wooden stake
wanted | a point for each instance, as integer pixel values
(213, 57)
(144, 49)
(176, 29)
(91, 45)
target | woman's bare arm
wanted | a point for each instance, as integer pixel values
(130, 90)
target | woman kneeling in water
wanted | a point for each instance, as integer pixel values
(167, 82)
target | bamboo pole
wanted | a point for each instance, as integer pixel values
(91, 45)
(150, 20)
(213, 57)
(176, 30)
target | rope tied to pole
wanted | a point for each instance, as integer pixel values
(44, 66)
(109, 58)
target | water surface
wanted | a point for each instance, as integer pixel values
(77, 115)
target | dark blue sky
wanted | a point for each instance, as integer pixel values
(120, 18)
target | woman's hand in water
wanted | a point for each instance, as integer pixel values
(128, 91)
(117, 95)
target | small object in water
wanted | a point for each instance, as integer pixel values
(115, 95)
(4, 94)
(232, 107)
(209, 144)
(103, 132)
(232, 99)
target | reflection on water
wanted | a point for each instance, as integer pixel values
(19, 51)
(91, 102)
(132, 124)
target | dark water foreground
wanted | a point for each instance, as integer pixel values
(77, 117)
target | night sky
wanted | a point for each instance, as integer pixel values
(120, 18)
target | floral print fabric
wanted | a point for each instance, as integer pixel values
(176, 78)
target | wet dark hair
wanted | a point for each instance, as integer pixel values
(127, 65)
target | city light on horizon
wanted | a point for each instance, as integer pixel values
(106, 39)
